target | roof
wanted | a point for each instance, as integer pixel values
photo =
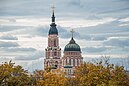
(53, 29)
(68, 66)
(72, 46)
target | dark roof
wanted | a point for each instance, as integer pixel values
(53, 29)
(68, 66)
(72, 46)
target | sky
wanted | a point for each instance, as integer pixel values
(101, 29)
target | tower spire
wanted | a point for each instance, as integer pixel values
(53, 29)
(53, 16)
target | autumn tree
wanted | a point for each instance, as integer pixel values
(45, 78)
(87, 74)
(90, 74)
(11, 75)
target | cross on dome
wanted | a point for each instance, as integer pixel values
(72, 32)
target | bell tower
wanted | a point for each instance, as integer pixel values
(53, 51)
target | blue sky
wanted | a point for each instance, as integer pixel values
(101, 28)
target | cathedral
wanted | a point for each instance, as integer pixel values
(71, 54)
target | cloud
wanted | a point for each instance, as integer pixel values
(94, 49)
(43, 31)
(103, 31)
(63, 32)
(126, 49)
(31, 65)
(8, 44)
(124, 19)
(116, 10)
(82, 8)
(30, 31)
(36, 31)
(107, 28)
(33, 56)
(117, 42)
(8, 37)
(99, 38)
(80, 36)
(7, 28)
(17, 49)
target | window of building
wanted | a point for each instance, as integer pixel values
(56, 64)
(70, 61)
(54, 43)
(77, 62)
(65, 61)
(73, 62)
(55, 53)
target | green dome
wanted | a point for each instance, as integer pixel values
(72, 46)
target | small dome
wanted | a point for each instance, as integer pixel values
(53, 29)
(72, 46)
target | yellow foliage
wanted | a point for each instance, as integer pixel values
(87, 74)
(50, 78)
(11, 75)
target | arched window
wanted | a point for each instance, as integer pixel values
(66, 61)
(56, 64)
(73, 62)
(70, 61)
(54, 43)
(77, 62)
(47, 63)
(55, 53)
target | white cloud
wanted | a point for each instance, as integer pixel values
(33, 56)
(94, 49)
(84, 23)
(8, 37)
(8, 44)
(124, 19)
(124, 25)
(124, 42)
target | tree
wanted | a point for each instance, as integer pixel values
(11, 75)
(89, 74)
(44, 78)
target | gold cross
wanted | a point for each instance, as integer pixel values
(72, 31)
